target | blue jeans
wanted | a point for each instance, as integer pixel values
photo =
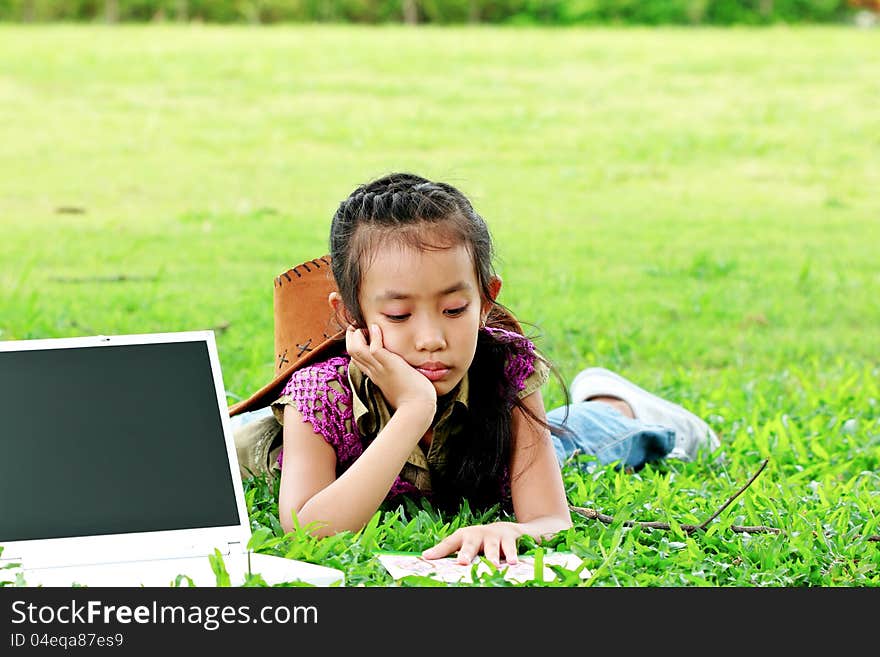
(600, 429)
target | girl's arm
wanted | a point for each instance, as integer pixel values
(309, 486)
(539, 500)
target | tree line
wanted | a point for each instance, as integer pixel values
(537, 12)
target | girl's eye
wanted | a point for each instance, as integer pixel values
(396, 318)
(455, 312)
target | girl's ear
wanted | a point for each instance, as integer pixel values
(338, 307)
(494, 289)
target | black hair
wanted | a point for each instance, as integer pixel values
(399, 207)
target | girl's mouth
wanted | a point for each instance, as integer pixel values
(434, 374)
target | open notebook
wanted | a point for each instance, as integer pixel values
(118, 468)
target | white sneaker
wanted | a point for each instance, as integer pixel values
(691, 433)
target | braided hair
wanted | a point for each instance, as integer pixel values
(425, 215)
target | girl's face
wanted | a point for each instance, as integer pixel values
(428, 306)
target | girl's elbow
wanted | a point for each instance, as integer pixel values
(300, 520)
(290, 516)
(285, 517)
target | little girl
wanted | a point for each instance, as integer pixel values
(438, 391)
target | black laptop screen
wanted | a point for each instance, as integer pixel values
(111, 439)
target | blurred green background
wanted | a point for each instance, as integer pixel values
(556, 12)
(670, 202)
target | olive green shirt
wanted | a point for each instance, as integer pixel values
(372, 413)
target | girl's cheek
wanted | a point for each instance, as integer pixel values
(394, 339)
(390, 337)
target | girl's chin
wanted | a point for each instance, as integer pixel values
(445, 386)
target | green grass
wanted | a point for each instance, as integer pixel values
(696, 209)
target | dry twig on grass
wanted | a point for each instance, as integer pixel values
(595, 515)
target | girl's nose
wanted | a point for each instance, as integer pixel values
(430, 338)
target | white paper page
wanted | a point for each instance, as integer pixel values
(448, 570)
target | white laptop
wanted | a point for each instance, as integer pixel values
(118, 467)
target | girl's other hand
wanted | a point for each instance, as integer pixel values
(494, 541)
(400, 383)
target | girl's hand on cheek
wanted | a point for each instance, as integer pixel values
(399, 382)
